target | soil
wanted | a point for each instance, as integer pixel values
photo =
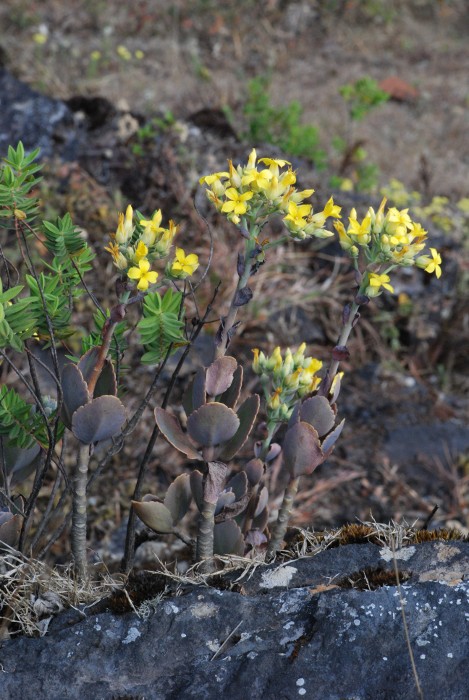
(405, 398)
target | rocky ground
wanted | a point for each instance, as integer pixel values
(405, 398)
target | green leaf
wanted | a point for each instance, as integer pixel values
(160, 326)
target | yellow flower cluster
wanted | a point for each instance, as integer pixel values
(391, 239)
(135, 245)
(249, 194)
(286, 379)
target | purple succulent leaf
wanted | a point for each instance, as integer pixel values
(302, 451)
(228, 538)
(231, 510)
(198, 389)
(172, 431)
(317, 412)
(231, 395)
(107, 383)
(100, 419)
(238, 484)
(273, 453)
(214, 481)
(331, 439)
(154, 515)
(212, 424)
(10, 528)
(19, 462)
(246, 413)
(226, 498)
(219, 375)
(295, 416)
(254, 471)
(87, 362)
(197, 488)
(261, 520)
(178, 497)
(262, 501)
(75, 392)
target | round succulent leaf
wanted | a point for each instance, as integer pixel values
(302, 450)
(172, 431)
(331, 439)
(238, 484)
(19, 462)
(100, 419)
(228, 538)
(232, 510)
(219, 375)
(107, 383)
(198, 389)
(261, 520)
(262, 501)
(154, 515)
(231, 395)
(212, 424)
(197, 488)
(246, 413)
(178, 497)
(75, 392)
(226, 498)
(273, 453)
(317, 412)
(10, 528)
(254, 471)
(87, 362)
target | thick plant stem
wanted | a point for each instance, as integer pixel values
(283, 517)
(205, 536)
(79, 512)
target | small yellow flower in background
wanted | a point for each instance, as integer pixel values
(139, 54)
(237, 201)
(375, 282)
(143, 274)
(125, 226)
(431, 264)
(39, 38)
(19, 214)
(124, 53)
(184, 265)
(95, 55)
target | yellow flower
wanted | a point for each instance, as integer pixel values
(359, 231)
(332, 209)
(184, 265)
(143, 274)
(432, 264)
(296, 215)
(125, 226)
(259, 179)
(141, 251)
(237, 203)
(375, 283)
(152, 227)
(118, 258)
(346, 243)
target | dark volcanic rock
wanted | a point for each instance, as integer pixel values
(36, 120)
(317, 639)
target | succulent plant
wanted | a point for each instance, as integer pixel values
(19, 462)
(309, 440)
(216, 430)
(91, 418)
(163, 516)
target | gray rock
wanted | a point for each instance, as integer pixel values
(36, 120)
(294, 631)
